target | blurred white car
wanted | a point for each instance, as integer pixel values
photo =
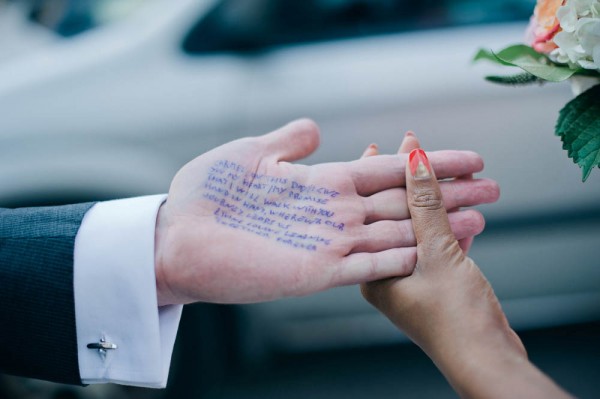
(116, 110)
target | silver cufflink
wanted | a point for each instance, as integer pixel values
(102, 346)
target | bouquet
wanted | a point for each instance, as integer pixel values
(563, 44)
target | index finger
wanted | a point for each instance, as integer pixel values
(382, 172)
(425, 204)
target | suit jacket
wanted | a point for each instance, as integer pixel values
(37, 310)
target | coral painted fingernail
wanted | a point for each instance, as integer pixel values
(419, 164)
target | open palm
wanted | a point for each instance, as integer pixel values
(243, 224)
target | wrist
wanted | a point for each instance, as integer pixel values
(461, 350)
(494, 367)
(483, 365)
(163, 292)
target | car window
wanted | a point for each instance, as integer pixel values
(71, 17)
(245, 25)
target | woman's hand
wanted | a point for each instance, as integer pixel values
(449, 309)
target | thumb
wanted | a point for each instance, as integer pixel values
(294, 141)
(429, 217)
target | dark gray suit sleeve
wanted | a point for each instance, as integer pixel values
(37, 310)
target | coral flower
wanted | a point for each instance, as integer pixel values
(544, 25)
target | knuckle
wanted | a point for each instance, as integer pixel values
(373, 267)
(404, 231)
(427, 198)
(369, 208)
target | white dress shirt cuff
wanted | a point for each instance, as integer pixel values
(115, 296)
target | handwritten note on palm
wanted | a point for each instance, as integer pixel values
(269, 206)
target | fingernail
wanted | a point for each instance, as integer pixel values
(409, 134)
(419, 164)
(371, 150)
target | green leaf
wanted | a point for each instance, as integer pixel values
(520, 79)
(519, 50)
(529, 60)
(579, 129)
(488, 55)
(535, 63)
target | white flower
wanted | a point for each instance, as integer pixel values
(567, 15)
(579, 39)
(589, 36)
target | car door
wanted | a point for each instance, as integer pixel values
(115, 110)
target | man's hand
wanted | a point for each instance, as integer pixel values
(242, 224)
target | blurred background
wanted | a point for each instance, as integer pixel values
(103, 99)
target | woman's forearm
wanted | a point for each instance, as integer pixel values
(495, 372)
